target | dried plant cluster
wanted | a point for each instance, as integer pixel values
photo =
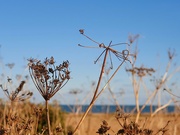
(24, 118)
(47, 77)
(122, 57)
(18, 94)
(29, 119)
(141, 71)
(14, 123)
(129, 127)
(17, 125)
(159, 83)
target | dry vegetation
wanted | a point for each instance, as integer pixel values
(31, 119)
(18, 116)
(94, 122)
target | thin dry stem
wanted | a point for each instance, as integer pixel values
(162, 107)
(95, 93)
(48, 120)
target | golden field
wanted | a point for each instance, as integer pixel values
(93, 121)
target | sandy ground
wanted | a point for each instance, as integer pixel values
(93, 121)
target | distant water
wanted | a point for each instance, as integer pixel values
(112, 108)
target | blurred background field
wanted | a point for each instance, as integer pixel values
(32, 116)
(94, 121)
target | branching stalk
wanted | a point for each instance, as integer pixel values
(95, 93)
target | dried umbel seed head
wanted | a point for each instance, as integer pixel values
(51, 61)
(10, 65)
(141, 71)
(101, 45)
(132, 38)
(171, 54)
(59, 129)
(121, 115)
(47, 77)
(81, 31)
(104, 128)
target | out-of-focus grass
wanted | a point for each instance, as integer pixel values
(94, 120)
(30, 118)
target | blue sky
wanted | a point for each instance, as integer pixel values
(41, 29)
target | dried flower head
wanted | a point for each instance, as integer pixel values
(81, 31)
(104, 128)
(121, 55)
(47, 77)
(75, 91)
(121, 115)
(132, 38)
(141, 71)
(10, 65)
(171, 54)
(59, 129)
(17, 95)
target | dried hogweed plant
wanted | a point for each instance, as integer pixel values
(139, 72)
(129, 127)
(18, 94)
(48, 79)
(16, 125)
(13, 122)
(108, 50)
(103, 128)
